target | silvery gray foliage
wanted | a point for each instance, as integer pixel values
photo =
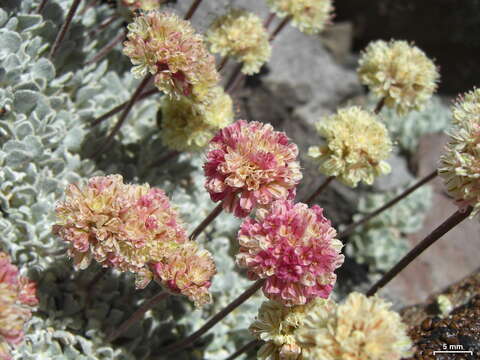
(381, 242)
(44, 137)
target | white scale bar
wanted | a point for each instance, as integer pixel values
(453, 352)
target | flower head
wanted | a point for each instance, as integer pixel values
(248, 165)
(460, 165)
(17, 297)
(357, 145)
(167, 47)
(294, 248)
(144, 5)
(188, 271)
(399, 73)
(310, 16)
(363, 328)
(241, 35)
(118, 225)
(188, 126)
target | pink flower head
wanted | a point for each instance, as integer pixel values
(118, 225)
(188, 271)
(249, 165)
(17, 296)
(294, 248)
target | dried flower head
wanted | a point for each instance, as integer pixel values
(17, 297)
(360, 329)
(460, 165)
(240, 34)
(356, 146)
(294, 248)
(118, 225)
(399, 73)
(145, 5)
(187, 271)
(188, 126)
(167, 47)
(276, 325)
(310, 16)
(248, 165)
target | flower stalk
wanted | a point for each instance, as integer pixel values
(212, 216)
(244, 349)
(64, 28)
(192, 9)
(280, 28)
(107, 48)
(320, 189)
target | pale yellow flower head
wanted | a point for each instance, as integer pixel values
(357, 145)
(360, 329)
(188, 126)
(144, 5)
(460, 165)
(241, 35)
(310, 16)
(400, 73)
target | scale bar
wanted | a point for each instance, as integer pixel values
(453, 352)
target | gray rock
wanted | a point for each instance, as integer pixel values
(400, 175)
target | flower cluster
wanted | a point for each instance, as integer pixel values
(357, 145)
(294, 248)
(248, 165)
(145, 5)
(399, 73)
(188, 126)
(360, 329)
(167, 47)
(17, 297)
(241, 35)
(460, 165)
(130, 228)
(310, 16)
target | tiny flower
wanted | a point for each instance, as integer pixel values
(145, 5)
(276, 325)
(241, 35)
(17, 297)
(363, 328)
(399, 73)
(356, 146)
(118, 225)
(248, 165)
(188, 126)
(310, 16)
(187, 271)
(294, 248)
(167, 47)
(460, 165)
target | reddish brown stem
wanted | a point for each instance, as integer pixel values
(212, 216)
(234, 78)
(107, 48)
(222, 64)
(436, 234)
(243, 349)
(162, 160)
(41, 6)
(103, 25)
(192, 9)
(64, 28)
(279, 28)
(380, 105)
(320, 189)
(268, 20)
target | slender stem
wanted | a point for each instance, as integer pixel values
(268, 20)
(214, 320)
(436, 234)
(192, 9)
(64, 28)
(234, 78)
(223, 62)
(107, 48)
(320, 189)
(279, 28)
(213, 214)
(98, 275)
(388, 205)
(124, 114)
(380, 105)
(138, 314)
(103, 25)
(41, 6)
(245, 348)
(119, 108)
(168, 156)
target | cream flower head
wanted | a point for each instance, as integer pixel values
(144, 5)
(240, 34)
(188, 126)
(399, 73)
(357, 145)
(310, 16)
(460, 165)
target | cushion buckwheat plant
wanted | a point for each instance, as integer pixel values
(187, 126)
(294, 248)
(249, 165)
(460, 165)
(399, 73)
(310, 16)
(17, 297)
(162, 44)
(362, 328)
(241, 35)
(357, 145)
